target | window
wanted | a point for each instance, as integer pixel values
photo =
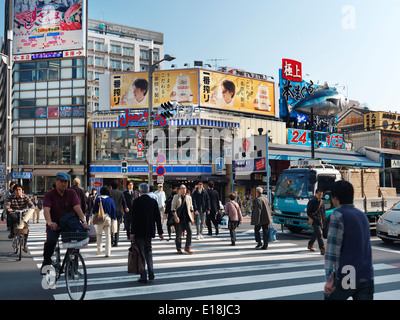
(115, 49)
(40, 146)
(52, 150)
(53, 74)
(128, 51)
(26, 151)
(99, 62)
(115, 64)
(65, 150)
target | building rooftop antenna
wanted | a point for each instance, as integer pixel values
(216, 62)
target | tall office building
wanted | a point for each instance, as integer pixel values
(58, 60)
(114, 48)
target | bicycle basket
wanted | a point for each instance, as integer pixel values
(21, 231)
(74, 239)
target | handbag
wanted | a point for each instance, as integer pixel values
(135, 265)
(272, 234)
(92, 234)
(100, 216)
(114, 226)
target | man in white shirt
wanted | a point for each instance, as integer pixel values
(161, 200)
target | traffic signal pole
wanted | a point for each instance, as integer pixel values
(150, 152)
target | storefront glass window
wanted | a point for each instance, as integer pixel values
(40, 146)
(65, 150)
(52, 150)
(26, 151)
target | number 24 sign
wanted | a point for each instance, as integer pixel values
(327, 140)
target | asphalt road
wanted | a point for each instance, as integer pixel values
(20, 280)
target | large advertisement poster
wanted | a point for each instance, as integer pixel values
(46, 25)
(229, 92)
(130, 90)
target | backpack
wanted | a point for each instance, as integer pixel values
(100, 216)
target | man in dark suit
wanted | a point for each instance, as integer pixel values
(121, 207)
(81, 194)
(130, 195)
(214, 209)
(145, 216)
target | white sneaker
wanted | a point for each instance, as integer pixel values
(198, 237)
(201, 236)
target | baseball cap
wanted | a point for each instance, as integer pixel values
(63, 176)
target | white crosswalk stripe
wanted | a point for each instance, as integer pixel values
(217, 271)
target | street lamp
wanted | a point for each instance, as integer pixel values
(150, 151)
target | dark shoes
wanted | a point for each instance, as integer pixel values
(143, 277)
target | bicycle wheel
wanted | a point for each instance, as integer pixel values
(15, 244)
(21, 240)
(75, 276)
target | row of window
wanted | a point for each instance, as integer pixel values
(43, 102)
(49, 112)
(119, 143)
(51, 150)
(50, 74)
(45, 64)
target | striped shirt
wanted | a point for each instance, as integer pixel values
(20, 203)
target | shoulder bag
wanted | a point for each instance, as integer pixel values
(100, 216)
(311, 220)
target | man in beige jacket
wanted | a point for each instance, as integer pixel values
(182, 209)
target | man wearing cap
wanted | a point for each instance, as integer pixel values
(57, 202)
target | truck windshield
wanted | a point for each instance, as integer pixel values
(294, 185)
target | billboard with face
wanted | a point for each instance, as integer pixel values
(46, 25)
(229, 92)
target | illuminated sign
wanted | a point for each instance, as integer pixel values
(46, 55)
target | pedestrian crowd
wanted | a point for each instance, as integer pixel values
(143, 213)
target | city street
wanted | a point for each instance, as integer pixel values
(216, 272)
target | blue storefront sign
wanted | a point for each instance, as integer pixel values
(21, 175)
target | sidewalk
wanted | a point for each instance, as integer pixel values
(20, 280)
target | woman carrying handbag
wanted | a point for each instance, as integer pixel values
(107, 204)
(232, 210)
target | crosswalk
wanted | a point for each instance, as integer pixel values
(217, 271)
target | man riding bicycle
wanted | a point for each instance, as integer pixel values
(17, 201)
(56, 204)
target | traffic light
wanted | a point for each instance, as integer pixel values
(124, 167)
(167, 110)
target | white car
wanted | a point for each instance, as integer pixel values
(388, 226)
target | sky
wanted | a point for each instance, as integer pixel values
(352, 43)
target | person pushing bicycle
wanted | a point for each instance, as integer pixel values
(17, 201)
(56, 204)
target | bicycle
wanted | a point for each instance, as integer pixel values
(73, 265)
(19, 239)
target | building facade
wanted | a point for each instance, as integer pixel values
(114, 48)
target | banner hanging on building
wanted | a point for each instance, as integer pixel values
(228, 92)
(40, 26)
(130, 90)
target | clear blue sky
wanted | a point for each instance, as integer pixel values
(256, 34)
